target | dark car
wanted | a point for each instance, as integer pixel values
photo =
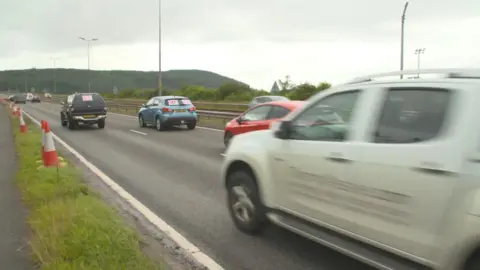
(20, 98)
(35, 99)
(83, 108)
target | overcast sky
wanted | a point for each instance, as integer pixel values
(252, 41)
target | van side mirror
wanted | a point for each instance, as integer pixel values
(282, 129)
(239, 120)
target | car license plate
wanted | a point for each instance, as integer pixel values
(180, 110)
(89, 116)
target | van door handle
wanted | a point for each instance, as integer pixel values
(432, 171)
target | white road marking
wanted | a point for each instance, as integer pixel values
(143, 133)
(182, 242)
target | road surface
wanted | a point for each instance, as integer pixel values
(177, 175)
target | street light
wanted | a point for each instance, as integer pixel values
(89, 41)
(54, 59)
(418, 52)
(159, 47)
(402, 38)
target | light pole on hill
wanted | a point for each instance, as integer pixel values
(89, 41)
(418, 52)
(54, 59)
(159, 47)
(402, 38)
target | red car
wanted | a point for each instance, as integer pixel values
(259, 117)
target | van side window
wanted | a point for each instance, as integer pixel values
(411, 115)
(326, 120)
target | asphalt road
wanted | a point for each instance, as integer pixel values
(177, 175)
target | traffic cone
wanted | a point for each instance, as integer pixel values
(43, 140)
(50, 153)
(23, 126)
(17, 113)
(14, 110)
(43, 143)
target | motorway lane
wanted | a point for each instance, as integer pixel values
(176, 174)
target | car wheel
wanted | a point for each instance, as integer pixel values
(191, 125)
(71, 124)
(227, 138)
(101, 123)
(158, 124)
(141, 123)
(62, 120)
(244, 204)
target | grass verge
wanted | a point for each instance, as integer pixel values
(72, 228)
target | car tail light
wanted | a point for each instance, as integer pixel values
(192, 109)
(164, 109)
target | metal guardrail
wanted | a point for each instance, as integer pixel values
(131, 109)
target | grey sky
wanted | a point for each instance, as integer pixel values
(52, 26)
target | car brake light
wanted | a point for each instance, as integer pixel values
(164, 109)
(192, 109)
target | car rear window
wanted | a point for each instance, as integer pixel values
(89, 100)
(177, 102)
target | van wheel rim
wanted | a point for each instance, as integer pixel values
(242, 206)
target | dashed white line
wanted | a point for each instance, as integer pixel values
(186, 245)
(138, 132)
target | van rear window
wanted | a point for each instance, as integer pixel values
(178, 102)
(89, 99)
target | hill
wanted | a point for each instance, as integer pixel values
(71, 80)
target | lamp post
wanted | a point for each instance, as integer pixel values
(418, 52)
(159, 47)
(402, 37)
(54, 59)
(89, 41)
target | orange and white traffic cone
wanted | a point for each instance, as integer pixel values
(23, 126)
(43, 140)
(17, 113)
(14, 110)
(50, 153)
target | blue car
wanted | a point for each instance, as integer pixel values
(163, 112)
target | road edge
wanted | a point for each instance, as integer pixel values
(189, 248)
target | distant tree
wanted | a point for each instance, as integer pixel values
(286, 85)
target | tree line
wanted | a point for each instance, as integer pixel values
(232, 92)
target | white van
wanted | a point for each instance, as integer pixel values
(395, 182)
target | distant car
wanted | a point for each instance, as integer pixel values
(35, 99)
(83, 108)
(163, 112)
(259, 118)
(262, 99)
(20, 98)
(29, 96)
(47, 95)
(11, 97)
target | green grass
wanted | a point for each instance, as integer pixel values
(72, 228)
(204, 121)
